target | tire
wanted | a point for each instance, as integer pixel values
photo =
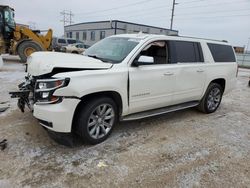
(92, 127)
(26, 48)
(74, 52)
(212, 99)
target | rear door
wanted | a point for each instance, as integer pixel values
(191, 70)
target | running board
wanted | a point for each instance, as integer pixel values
(159, 111)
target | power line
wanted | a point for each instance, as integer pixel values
(154, 8)
(213, 17)
(198, 13)
(200, 1)
(131, 11)
(220, 3)
(212, 12)
(115, 8)
(238, 15)
(178, 16)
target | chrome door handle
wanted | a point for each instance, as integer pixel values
(168, 74)
(200, 70)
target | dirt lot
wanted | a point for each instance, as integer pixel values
(181, 149)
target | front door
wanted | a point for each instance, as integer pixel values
(151, 85)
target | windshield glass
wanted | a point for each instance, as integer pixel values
(9, 17)
(112, 50)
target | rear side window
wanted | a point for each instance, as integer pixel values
(185, 52)
(62, 41)
(71, 41)
(222, 53)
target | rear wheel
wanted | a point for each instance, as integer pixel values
(96, 119)
(212, 98)
(26, 48)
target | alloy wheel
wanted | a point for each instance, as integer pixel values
(101, 121)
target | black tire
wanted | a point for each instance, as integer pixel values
(206, 106)
(26, 48)
(74, 52)
(83, 120)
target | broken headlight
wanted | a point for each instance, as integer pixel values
(45, 88)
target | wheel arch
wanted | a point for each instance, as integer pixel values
(221, 82)
(114, 95)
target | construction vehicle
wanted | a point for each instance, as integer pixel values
(20, 40)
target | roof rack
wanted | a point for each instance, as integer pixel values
(204, 39)
(172, 34)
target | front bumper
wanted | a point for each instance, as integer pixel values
(57, 117)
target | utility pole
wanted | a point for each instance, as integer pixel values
(67, 17)
(172, 16)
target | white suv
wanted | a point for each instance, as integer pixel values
(126, 77)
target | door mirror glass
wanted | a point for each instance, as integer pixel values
(144, 60)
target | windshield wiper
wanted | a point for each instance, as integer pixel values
(96, 57)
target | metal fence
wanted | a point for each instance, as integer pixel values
(243, 60)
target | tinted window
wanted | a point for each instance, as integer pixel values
(62, 41)
(79, 46)
(222, 53)
(185, 52)
(71, 41)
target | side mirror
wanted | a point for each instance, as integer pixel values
(144, 60)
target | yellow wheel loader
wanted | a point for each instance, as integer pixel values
(20, 40)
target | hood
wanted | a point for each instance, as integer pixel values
(40, 63)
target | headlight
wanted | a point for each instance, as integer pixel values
(45, 88)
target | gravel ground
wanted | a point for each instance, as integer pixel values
(180, 149)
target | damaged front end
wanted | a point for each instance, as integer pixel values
(38, 90)
(25, 94)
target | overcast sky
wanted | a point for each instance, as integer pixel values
(224, 19)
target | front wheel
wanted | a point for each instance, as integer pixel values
(212, 99)
(96, 120)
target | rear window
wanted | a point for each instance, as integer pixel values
(185, 52)
(62, 41)
(222, 53)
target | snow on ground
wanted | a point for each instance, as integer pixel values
(180, 149)
(11, 74)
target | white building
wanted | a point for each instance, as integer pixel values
(91, 32)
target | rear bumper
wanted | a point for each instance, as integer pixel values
(230, 85)
(57, 117)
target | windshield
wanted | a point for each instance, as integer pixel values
(113, 49)
(9, 17)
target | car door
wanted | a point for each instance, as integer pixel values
(191, 70)
(151, 85)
